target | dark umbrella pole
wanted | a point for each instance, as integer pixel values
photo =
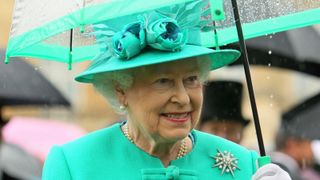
(263, 159)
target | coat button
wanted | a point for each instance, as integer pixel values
(172, 172)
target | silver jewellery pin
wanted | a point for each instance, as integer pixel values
(226, 162)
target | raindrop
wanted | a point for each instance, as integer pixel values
(269, 52)
(270, 37)
(268, 77)
(269, 64)
(271, 96)
(36, 69)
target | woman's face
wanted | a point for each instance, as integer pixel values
(165, 100)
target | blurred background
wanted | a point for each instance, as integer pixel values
(88, 109)
(277, 90)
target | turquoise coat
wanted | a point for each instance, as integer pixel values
(108, 154)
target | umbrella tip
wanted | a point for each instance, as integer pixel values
(69, 66)
(6, 60)
(82, 28)
(70, 61)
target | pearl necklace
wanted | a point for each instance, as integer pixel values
(182, 150)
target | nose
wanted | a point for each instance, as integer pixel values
(180, 94)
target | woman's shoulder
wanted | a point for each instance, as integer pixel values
(94, 139)
(209, 141)
(90, 153)
(95, 144)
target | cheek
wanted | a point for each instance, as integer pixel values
(146, 104)
(197, 99)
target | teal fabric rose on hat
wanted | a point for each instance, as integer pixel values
(158, 32)
(130, 41)
(165, 34)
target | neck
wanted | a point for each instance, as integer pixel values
(165, 151)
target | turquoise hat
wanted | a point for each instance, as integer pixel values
(159, 36)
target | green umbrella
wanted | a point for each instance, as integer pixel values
(61, 30)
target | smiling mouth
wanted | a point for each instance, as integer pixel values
(177, 117)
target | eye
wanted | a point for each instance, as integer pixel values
(163, 83)
(192, 78)
(192, 81)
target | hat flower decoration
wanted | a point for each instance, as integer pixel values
(157, 36)
(130, 41)
(162, 34)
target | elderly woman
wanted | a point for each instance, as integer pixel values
(153, 70)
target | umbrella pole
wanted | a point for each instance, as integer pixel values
(70, 50)
(248, 77)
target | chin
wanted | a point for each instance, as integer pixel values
(177, 134)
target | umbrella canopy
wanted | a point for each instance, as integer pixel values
(296, 49)
(63, 31)
(21, 84)
(302, 120)
(302, 44)
(37, 136)
(261, 17)
(49, 37)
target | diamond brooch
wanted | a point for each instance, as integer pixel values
(226, 162)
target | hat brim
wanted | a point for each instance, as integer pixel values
(219, 59)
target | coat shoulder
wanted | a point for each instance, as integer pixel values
(214, 144)
(94, 139)
(212, 141)
(213, 148)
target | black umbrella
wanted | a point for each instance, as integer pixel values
(22, 84)
(296, 49)
(302, 120)
(302, 44)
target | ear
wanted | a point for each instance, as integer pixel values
(121, 95)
